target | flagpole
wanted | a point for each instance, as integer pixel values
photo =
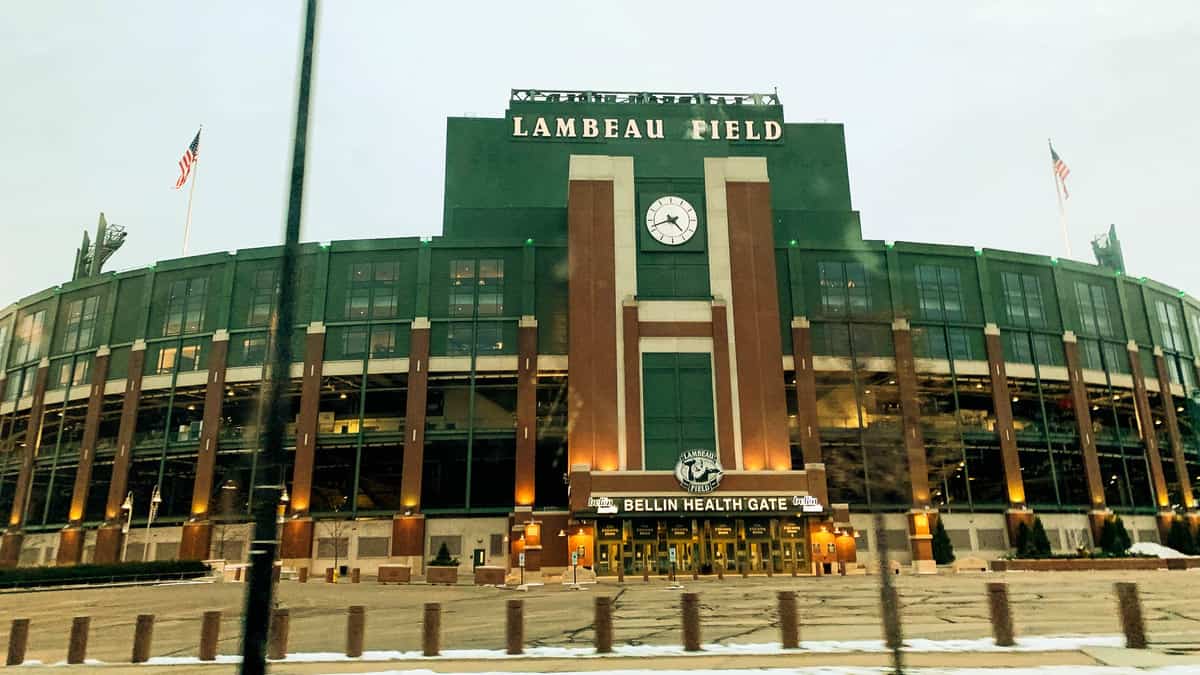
(1062, 209)
(187, 223)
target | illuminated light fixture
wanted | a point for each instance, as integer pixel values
(891, 382)
(191, 407)
(562, 533)
(1015, 399)
(1158, 421)
(342, 396)
(866, 391)
(979, 385)
(1095, 407)
(1179, 409)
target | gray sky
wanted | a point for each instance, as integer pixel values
(947, 110)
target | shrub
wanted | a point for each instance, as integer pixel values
(1179, 537)
(1114, 538)
(443, 558)
(943, 548)
(1023, 544)
(1039, 543)
(22, 577)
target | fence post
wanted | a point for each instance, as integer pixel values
(18, 638)
(143, 633)
(210, 632)
(77, 647)
(1132, 623)
(431, 629)
(789, 626)
(603, 621)
(514, 626)
(356, 625)
(277, 637)
(1001, 613)
(691, 622)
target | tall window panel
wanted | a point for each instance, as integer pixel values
(262, 298)
(27, 342)
(186, 301)
(372, 292)
(80, 330)
(1094, 315)
(1023, 305)
(1170, 324)
(844, 288)
(939, 293)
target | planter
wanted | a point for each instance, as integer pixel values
(441, 575)
(1077, 564)
(489, 576)
(395, 574)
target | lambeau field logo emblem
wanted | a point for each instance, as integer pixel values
(698, 470)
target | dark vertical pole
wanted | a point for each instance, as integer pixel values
(260, 589)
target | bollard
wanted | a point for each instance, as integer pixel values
(329, 575)
(891, 629)
(514, 626)
(277, 637)
(645, 573)
(789, 627)
(18, 638)
(793, 569)
(210, 632)
(691, 622)
(1001, 613)
(770, 568)
(1132, 623)
(356, 625)
(355, 575)
(237, 573)
(695, 574)
(275, 572)
(720, 571)
(143, 633)
(604, 629)
(621, 573)
(431, 629)
(745, 570)
(77, 647)
(303, 575)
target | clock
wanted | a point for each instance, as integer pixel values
(671, 220)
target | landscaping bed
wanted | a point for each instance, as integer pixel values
(166, 570)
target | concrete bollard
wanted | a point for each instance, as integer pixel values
(621, 573)
(604, 628)
(770, 568)
(356, 625)
(745, 569)
(431, 629)
(691, 622)
(794, 566)
(277, 636)
(329, 575)
(1001, 613)
(695, 574)
(720, 571)
(645, 573)
(355, 575)
(210, 632)
(303, 575)
(514, 626)
(143, 634)
(18, 638)
(237, 574)
(1132, 623)
(77, 647)
(789, 626)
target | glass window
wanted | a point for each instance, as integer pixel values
(253, 350)
(186, 302)
(28, 337)
(1023, 300)
(1093, 310)
(262, 297)
(939, 293)
(844, 288)
(81, 323)
(3, 345)
(372, 292)
(1171, 326)
(937, 342)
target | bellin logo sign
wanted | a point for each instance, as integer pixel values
(698, 470)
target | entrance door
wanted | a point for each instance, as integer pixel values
(609, 557)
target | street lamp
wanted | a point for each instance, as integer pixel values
(127, 512)
(283, 504)
(155, 501)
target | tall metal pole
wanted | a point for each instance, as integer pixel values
(272, 457)
(187, 223)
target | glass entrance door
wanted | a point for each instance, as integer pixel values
(608, 557)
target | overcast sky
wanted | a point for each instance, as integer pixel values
(947, 111)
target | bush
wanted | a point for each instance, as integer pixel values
(23, 577)
(443, 558)
(943, 548)
(1114, 538)
(1039, 543)
(1179, 537)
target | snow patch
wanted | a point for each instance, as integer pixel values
(1155, 550)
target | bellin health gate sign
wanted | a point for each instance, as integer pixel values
(718, 506)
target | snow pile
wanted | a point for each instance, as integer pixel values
(858, 670)
(1154, 550)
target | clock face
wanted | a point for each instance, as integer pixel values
(671, 220)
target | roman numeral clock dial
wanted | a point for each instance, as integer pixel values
(671, 220)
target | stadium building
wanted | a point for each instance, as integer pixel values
(650, 332)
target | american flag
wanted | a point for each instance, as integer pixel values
(190, 157)
(1061, 171)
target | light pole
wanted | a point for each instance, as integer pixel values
(155, 502)
(127, 510)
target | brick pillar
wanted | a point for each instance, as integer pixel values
(1017, 512)
(296, 540)
(1158, 480)
(1172, 422)
(414, 419)
(633, 384)
(724, 387)
(197, 532)
(10, 547)
(806, 408)
(1087, 442)
(70, 539)
(108, 537)
(526, 410)
(920, 538)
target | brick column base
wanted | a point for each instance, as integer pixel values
(10, 549)
(1164, 520)
(196, 541)
(1013, 519)
(108, 545)
(921, 541)
(1096, 520)
(295, 543)
(70, 546)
